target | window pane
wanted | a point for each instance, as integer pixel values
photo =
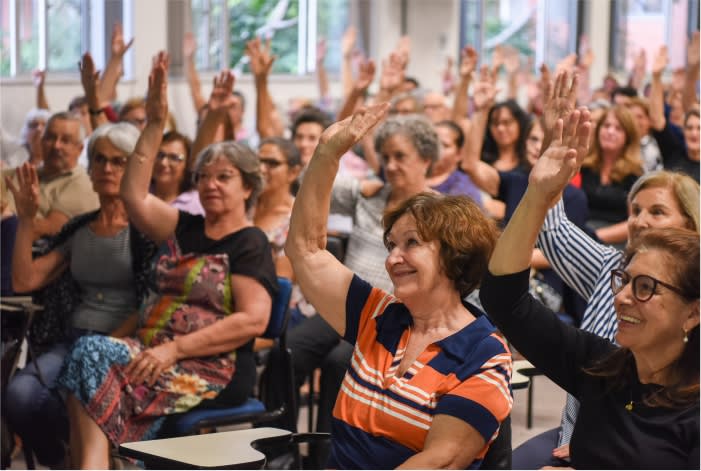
(276, 19)
(5, 39)
(645, 25)
(511, 22)
(332, 20)
(28, 36)
(63, 34)
(207, 27)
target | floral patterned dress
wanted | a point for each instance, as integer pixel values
(194, 292)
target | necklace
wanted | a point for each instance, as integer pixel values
(629, 406)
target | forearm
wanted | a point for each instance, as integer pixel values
(264, 109)
(42, 102)
(110, 78)
(94, 104)
(207, 132)
(22, 269)
(689, 97)
(613, 234)
(484, 175)
(461, 100)
(323, 80)
(193, 80)
(349, 105)
(137, 177)
(428, 460)
(657, 118)
(49, 225)
(347, 75)
(223, 336)
(514, 248)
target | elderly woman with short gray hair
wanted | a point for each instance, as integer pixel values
(214, 285)
(407, 146)
(100, 301)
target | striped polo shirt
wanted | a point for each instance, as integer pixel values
(380, 420)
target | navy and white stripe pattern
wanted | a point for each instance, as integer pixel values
(585, 265)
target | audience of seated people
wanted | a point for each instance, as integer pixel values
(214, 202)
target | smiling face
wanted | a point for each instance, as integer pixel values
(107, 166)
(404, 167)
(658, 324)
(655, 207)
(221, 187)
(306, 139)
(413, 264)
(169, 168)
(612, 136)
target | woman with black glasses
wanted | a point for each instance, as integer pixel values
(172, 179)
(639, 400)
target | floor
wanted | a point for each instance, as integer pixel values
(548, 400)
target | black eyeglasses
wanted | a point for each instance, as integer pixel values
(270, 162)
(116, 162)
(172, 157)
(644, 286)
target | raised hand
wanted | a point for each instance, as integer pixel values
(567, 64)
(563, 157)
(561, 101)
(221, 98)
(342, 135)
(497, 59)
(38, 77)
(468, 61)
(366, 74)
(485, 90)
(189, 45)
(90, 78)
(348, 41)
(660, 62)
(321, 49)
(26, 192)
(392, 72)
(403, 50)
(157, 97)
(512, 60)
(260, 58)
(118, 46)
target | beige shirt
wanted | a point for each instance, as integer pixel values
(70, 193)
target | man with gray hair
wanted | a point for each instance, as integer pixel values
(64, 186)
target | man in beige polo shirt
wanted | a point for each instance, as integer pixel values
(65, 188)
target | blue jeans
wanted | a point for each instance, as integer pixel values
(35, 411)
(538, 452)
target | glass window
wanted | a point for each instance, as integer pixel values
(64, 34)
(544, 29)
(28, 35)
(645, 25)
(293, 26)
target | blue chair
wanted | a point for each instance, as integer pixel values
(276, 374)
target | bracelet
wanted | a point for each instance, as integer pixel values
(96, 112)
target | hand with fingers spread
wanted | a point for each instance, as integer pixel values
(392, 73)
(148, 365)
(117, 46)
(342, 135)
(26, 192)
(512, 60)
(563, 157)
(366, 74)
(221, 98)
(157, 96)
(189, 45)
(561, 101)
(260, 58)
(38, 77)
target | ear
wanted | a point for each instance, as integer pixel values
(693, 319)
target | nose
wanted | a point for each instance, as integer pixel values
(394, 256)
(640, 220)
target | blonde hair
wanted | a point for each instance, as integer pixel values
(629, 162)
(684, 188)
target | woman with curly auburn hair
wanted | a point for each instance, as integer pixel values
(609, 171)
(428, 382)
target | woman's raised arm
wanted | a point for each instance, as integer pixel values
(151, 215)
(548, 178)
(323, 279)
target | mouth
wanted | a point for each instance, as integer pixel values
(629, 320)
(402, 273)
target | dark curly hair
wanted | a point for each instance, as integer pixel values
(467, 237)
(490, 150)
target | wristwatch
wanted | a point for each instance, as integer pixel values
(96, 112)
